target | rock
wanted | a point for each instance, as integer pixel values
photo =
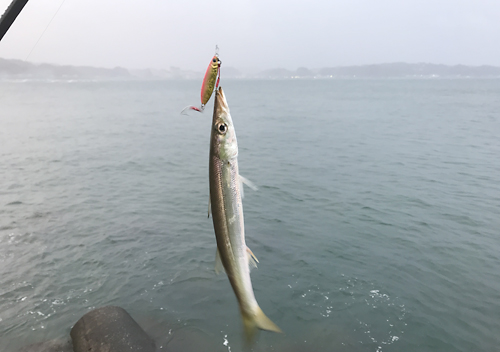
(110, 329)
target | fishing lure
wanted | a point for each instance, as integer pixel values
(210, 82)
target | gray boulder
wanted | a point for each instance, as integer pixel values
(110, 329)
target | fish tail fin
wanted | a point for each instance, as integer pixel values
(255, 321)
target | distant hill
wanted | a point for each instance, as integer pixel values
(12, 69)
(17, 69)
(410, 70)
(393, 70)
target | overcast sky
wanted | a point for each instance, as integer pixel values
(255, 34)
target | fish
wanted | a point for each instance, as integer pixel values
(210, 81)
(227, 214)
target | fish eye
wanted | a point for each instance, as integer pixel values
(214, 59)
(222, 128)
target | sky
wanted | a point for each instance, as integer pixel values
(254, 34)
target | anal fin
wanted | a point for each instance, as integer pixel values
(252, 259)
(218, 263)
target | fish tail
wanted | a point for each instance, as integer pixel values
(255, 321)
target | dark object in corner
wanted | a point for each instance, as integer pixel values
(109, 329)
(10, 15)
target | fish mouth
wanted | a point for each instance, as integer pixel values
(220, 100)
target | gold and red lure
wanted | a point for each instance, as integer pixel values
(210, 83)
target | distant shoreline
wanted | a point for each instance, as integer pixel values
(15, 70)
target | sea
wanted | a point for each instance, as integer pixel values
(376, 221)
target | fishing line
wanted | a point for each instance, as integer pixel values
(41, 35)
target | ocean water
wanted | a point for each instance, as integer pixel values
(376, 221)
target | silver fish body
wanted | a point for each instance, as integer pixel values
(227, 215)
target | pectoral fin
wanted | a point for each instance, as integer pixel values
(247, 182)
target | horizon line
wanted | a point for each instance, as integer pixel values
(236, 68)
